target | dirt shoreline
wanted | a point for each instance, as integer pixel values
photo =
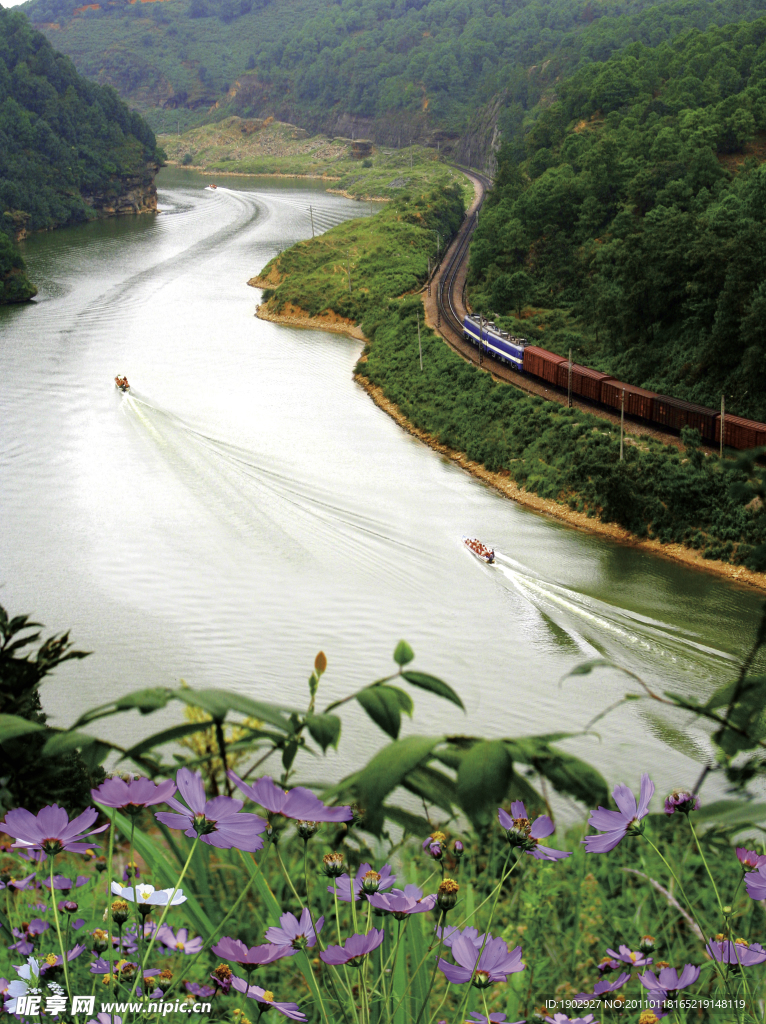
(250, 174)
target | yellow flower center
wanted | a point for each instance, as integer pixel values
(741, 942)
(51, 959)
(179, 945)
(268, 996)
(438, 837)
(634, 957)
(648, 1017)
(523, 824)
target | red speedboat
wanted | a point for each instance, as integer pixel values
(480, 550)
(121, 383)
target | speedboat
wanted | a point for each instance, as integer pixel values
(121, 382)
(211, 186)
(480, 550)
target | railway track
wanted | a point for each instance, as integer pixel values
(451, 309)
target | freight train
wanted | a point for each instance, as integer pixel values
(602, 388)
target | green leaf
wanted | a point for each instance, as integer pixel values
(170, 735)
(586, 667)
(64, 742)
(413, 824)
(325, 730)
(433, 685)
(146, 701)
(13, 725)
(573, 776)
(384, 705)
(432, 786)
(732, 812)
(483, 779)
(385, 771)
(403, 654)
(218, 703)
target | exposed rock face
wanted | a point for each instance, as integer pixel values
(130, 194)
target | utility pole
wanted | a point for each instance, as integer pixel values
(312, 221)
(723, 417)
(420, 347)
(569, 382)
(622, 421)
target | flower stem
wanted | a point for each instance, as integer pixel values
(58, 932)
(164, 914)
(109, 892)
(704, 861)
(287, 876)
(427, 996)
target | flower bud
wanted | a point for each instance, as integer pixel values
(647, 944)
(359, 815)
(100, 940)
(436, 851)
(222, 976)
(446, 895)
(164, 980)
(127, 970)
(100, 863)
(370, 882)
(120, 912)
(681, 800)
(145, 909)
(131, 870)
(307, 829)
(68, 906)
(332, 865)
(458, 849)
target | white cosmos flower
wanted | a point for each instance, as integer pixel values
(30, 972)
(147, 894)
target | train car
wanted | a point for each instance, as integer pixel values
(490, 339)
(675, 413)
(538, 362)
(740, 433)
(585, 382)
(638, 401)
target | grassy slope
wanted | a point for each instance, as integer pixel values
(558, 453)
(247, 146)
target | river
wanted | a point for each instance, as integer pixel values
(247, 505)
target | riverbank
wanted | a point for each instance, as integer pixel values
(564, 462)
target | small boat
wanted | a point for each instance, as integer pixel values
(480, 550)
(121, 382)
(211, 186)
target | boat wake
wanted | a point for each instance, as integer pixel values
(599, 629)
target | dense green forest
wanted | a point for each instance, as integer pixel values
(411, 65)
(637, 205)
(66, 144)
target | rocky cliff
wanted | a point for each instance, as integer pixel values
(135, 193)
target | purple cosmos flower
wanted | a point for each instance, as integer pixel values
(266, 999)
(25, 883)
(495, 963)
(295, 933)
(755, 883)
(494, 1018)
(179, 941)
(449, 933)
(33, 856)
(353, 949)
(257, 956)
(561, 1018)
(65, 884)
(401, 903)
(608, 964)
(383, 880)
(681, 800)
(27, 936)
(218, 822)
(298, 803)
(106, 1018)
(668, 980)
(527, 834)
(740, 952)
(627, 957)
(51, 830)
(602, 988)
(133, 796)
(72, 954)
(618, 824)
(200, 991)
(749, 859)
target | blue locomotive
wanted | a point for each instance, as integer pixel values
(490, 339)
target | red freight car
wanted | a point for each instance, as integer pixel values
(585, 382)
(638, 401)
(675, 413)
(541, 363)
(740, 433)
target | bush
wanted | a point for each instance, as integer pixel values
(188, 159)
